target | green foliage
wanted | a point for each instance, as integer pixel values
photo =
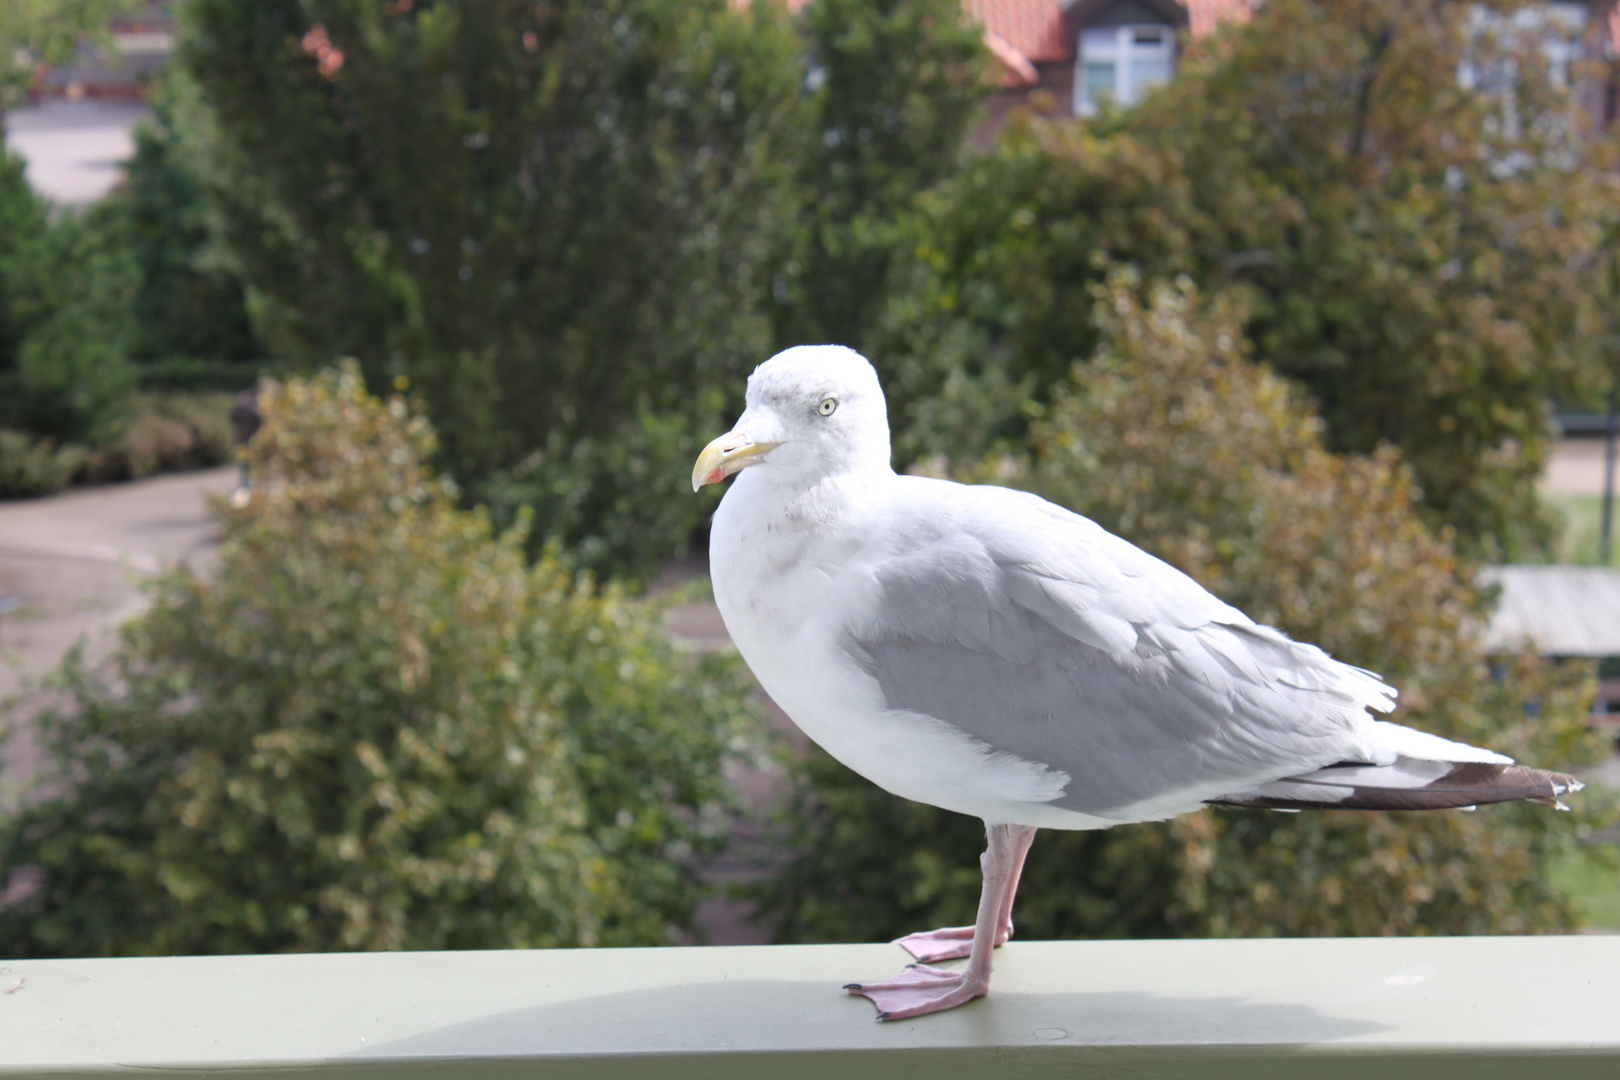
(553, 219)
(189, 306)
(1171, 437)
(995, 305)
(1590, 873)
(1580, 534)
(892, 90)
(1417, 253)
(167, 431)
(87, 303)
(374, 725)
(576, 227)
(31, 466)
(64, 297)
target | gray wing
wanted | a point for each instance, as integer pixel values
(1040, 634)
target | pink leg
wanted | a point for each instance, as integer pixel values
(955, 942)
(921, 989)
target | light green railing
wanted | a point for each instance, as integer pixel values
(1432, 1008)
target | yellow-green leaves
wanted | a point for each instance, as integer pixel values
(374, 725)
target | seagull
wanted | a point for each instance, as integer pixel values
(983, 650)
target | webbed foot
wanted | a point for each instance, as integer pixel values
(920, 990)
(946, 943)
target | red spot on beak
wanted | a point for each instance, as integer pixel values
(715, 476)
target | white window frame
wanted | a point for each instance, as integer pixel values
(1119, 46)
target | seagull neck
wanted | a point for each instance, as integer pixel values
(820, 498)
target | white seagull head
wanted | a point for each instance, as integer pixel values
(814, 411)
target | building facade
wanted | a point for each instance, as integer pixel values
(1066, 57)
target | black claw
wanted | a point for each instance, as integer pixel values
(884, 1016)
(852, 986)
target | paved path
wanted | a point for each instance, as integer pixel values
(74, 562)
(1575, 468)
(75, 150)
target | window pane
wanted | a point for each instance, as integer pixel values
(1146, 72)
(1095, 41)
(1099, 81)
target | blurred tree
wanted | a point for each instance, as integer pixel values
(34, 33)
(1414, 246)
(554, 219)
(373, 726)
(993, 305)
(64, 320)
(892, 89)
(1170, 437)
(189, 305)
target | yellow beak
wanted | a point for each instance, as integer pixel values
(732, 451)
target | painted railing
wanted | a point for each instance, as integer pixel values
(1430, 1008)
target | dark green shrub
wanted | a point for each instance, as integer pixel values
(167, 431)
(189, 313)
(64, 304)
(373, 725)
(553, 219)
(32, 466)
(892, 89)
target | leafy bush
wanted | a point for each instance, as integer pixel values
(189, 312)
(89, 303)
(1170, 437)
(168, 431)
(64, 301)
(372, 726)
(31, 466)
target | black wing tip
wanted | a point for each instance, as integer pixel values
(1466, 785)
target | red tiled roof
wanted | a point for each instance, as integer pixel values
(1203, 16)
(1020, 72)
(792, 6)
(1023, 33)
(1032, 28)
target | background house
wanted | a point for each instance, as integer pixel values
(1065, 57)
(142, 41)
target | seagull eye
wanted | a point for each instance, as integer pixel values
(828, 404)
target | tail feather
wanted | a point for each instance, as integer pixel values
(1408, 784)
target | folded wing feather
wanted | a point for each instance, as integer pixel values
(1038, 633)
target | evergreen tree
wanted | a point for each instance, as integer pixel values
(64, 320)
(892, 89)
(189, 305)
(553, 219)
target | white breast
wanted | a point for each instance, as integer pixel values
(786, 593)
